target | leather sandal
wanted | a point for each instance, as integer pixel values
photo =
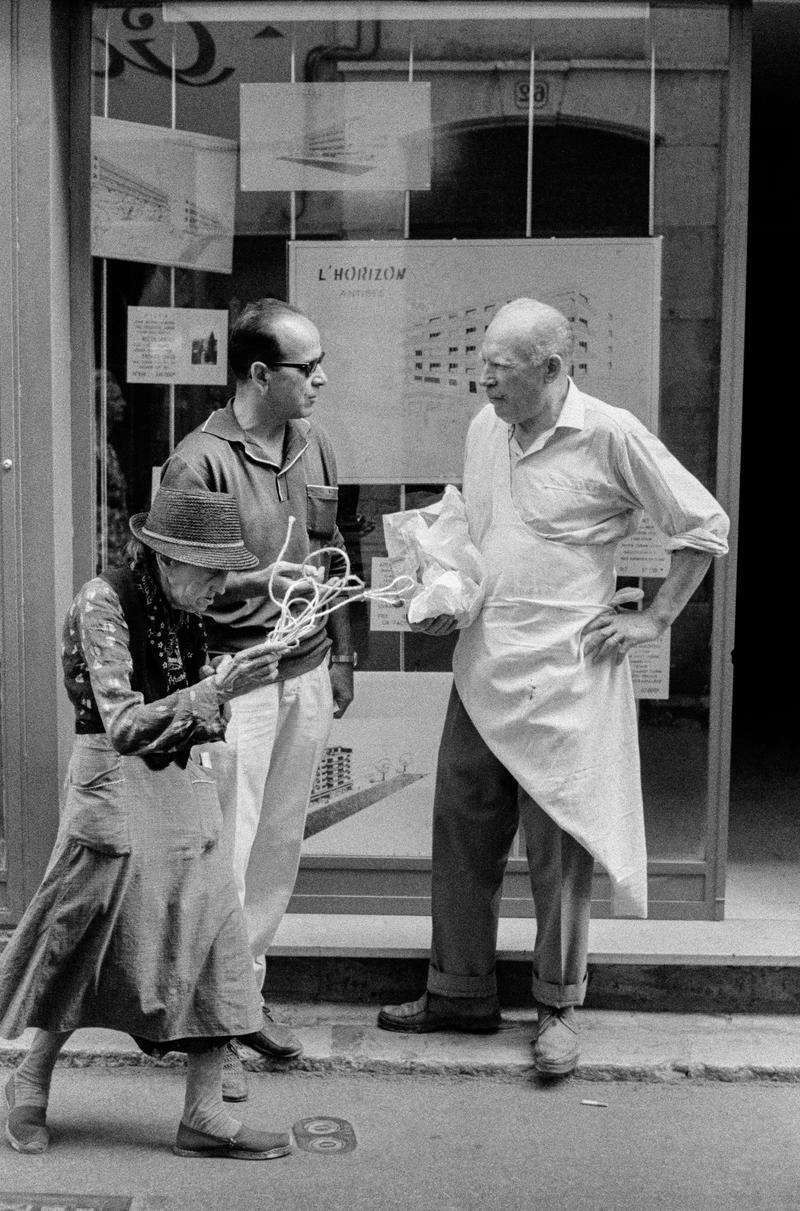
(246, 1145)
(26, 1129)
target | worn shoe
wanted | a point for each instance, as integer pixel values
(246, 1145)
(426, 1015)
(555, 1049)
(26, 1129)
(234, 1077)
(273, 1039)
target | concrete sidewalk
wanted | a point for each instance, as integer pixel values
(615, 1045)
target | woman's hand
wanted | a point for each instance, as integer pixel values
(247, 670)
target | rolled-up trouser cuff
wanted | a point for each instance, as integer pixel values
(559, 995)
(447, 985)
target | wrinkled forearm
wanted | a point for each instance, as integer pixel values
(189, 716)
(687, 569)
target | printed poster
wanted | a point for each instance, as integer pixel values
(162, 196)
(402, 322)
(351, 137)
(186, 345)
(373, 792)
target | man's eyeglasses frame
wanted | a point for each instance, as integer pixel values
(308, 368)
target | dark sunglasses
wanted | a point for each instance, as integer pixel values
(308, 368)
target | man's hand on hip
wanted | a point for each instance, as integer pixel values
(613, 634)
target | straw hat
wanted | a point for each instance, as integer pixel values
(199, 528)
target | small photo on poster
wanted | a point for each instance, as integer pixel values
(162, 196)
(351, 137)
(181, 345)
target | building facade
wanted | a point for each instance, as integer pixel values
(592, 154)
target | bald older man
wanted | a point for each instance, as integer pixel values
(541, 724)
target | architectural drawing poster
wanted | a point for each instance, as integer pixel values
(373, 792)
(335, 136)
(402, 323)
(186, 345)
(162, 196)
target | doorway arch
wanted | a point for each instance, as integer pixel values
(588, 181)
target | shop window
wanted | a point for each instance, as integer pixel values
(592, 178)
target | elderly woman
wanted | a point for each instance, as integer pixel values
(137, 925)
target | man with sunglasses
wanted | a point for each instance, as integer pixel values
(264, 449)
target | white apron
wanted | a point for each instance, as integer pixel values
(564, 727)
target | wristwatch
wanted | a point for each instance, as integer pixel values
(351, 659)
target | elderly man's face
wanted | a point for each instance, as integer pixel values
(515, 386)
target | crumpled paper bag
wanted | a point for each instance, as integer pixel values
(433, 546)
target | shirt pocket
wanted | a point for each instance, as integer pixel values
(322, 502)
(96, 809)
(573, 511)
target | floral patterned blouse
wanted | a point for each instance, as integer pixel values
(97, 675)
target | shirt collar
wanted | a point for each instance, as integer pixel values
(571, 416)
(223, 423)
(573, 410)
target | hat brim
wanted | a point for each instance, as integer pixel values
(225, 559)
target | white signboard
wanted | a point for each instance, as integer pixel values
(162, 196)
(187, 345)
(335, 136)
(373, 793)
(650, 667)
(645, 552)
(402, 324)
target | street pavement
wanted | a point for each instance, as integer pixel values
(429, 1143)
(670, 1111)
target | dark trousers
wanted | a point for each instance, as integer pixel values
(477, 809)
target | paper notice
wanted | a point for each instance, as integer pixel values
(650, 668)
(382, 616)
(644, 553)
(187, 345)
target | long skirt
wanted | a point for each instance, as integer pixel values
(137, 925)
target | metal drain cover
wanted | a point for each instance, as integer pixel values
(323, 1134)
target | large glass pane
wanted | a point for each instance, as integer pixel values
(592, 167)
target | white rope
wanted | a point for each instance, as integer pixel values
(309, 601)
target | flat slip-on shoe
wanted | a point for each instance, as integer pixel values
(26, 1129)
(246, 1145)
(414, 1017)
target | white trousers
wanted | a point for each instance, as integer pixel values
(265, 773)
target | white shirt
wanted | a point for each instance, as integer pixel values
(587, 481)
